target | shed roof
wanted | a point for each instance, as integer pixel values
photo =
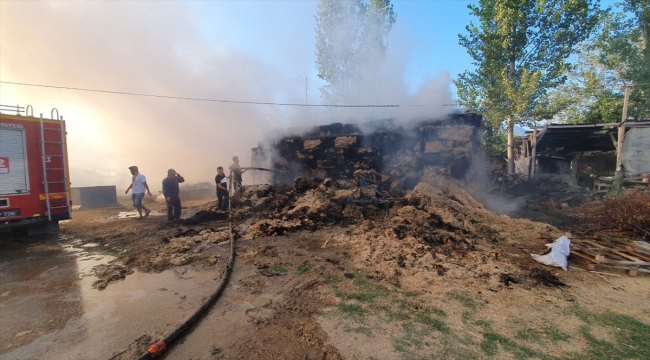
(566, 139)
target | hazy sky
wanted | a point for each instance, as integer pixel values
(260, 51)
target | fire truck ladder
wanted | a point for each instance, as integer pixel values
(46, 158)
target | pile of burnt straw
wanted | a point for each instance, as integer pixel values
(436, 230)
(401, 153)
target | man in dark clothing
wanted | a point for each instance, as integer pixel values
(170, 191)
(222, 189)
(236, 171)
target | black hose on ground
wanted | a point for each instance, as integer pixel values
(158, 348)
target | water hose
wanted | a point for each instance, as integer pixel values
(261, 169)
(159, 347)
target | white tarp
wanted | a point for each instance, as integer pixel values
(560, 250)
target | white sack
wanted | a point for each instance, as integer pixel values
(559, 252)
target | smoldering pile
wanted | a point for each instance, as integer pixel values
(437, 230)
(400, 154)
(400, 190)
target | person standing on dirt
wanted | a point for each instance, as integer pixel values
(258, 158)
(139, 185)
(236, 172)
(222, 188)
(171, 192)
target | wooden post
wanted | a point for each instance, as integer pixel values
(574, 168)
(617, 186)
(525, 147)
(621, 129)
(511, 145)
(534, 154)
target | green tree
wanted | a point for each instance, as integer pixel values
(616, 57)
(520, 49)
(592, 92)
(623, 45)
(350, 44)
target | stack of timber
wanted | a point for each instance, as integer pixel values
(604, 250)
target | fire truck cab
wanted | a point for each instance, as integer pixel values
(34, 173)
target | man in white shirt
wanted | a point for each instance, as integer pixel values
(139, 185)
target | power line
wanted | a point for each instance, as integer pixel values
(215, 100)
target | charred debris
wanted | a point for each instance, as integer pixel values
(398, 155)
(393, 198)
(401, 193)
(337, 169)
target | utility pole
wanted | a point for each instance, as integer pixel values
(618, 176)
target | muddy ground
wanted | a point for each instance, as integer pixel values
(432, 276)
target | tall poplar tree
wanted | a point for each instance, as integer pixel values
(626, 40)
(592, 92)
(618, 56)
(520, 49)
(350, 44)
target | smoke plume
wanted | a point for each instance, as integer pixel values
(168, 48)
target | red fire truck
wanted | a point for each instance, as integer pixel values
(34, 175)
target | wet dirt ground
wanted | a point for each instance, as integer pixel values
(109, 285)
(50, 309)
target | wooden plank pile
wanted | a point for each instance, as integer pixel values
(604, 250)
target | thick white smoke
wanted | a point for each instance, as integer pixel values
(167, 48)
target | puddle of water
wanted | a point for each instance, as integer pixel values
(48, 299)
(85, 265)
(128, 214)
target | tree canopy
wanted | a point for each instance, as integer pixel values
(351, 44)
(617, 56)
(520, 49)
